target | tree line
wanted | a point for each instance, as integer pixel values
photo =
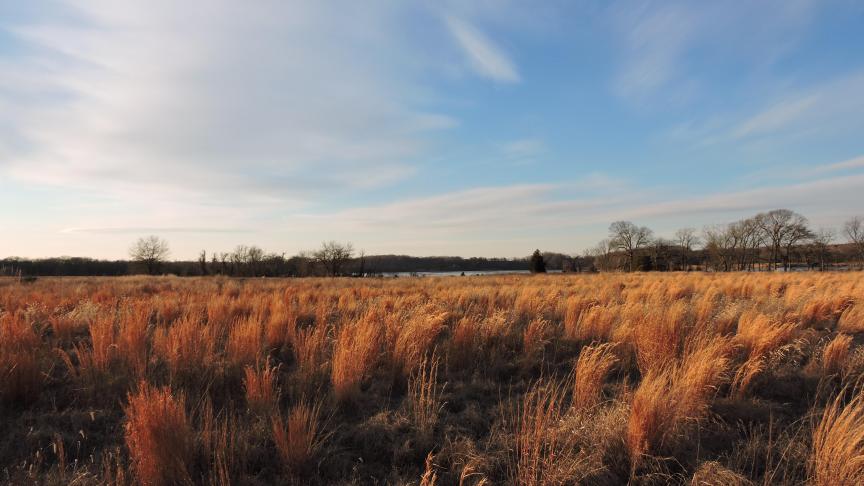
(773, 240)
(151, 255)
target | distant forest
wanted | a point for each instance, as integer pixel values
(776, 240)
(270, 266)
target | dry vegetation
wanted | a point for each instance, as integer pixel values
(582, 379)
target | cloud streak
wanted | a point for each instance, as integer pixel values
(485, 58)
(274, 99)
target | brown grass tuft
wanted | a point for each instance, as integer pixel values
(425, 395)
(544, 452)
(158, 436)
(310, 352)
(672, 397)
(592, 368)
(245, 341)
(299, 438)
(414, 338)
(132, 340)
(712, 473)
(835, 354)
(838, 443)
(759, 335)
(20, 374)
(355, 355)
(260, 385)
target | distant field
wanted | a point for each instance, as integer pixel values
(559, 379)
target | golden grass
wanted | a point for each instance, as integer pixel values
(544, 452)
(310, 347)
(187, 346)
(674, 396)
(759, 335)
(261, 386)
(299, 436)
(245, 341)
(549, 380)
(838, 442)
(425, 395)
(412, 338)
(591, 370)
(355, 355)
(133, 340)
(835, 354)
(20, 373)
(158, 436)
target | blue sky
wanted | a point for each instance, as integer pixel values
(428, 128)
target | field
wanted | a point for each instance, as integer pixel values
(736, 378)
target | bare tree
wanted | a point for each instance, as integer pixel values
(854, 229)
(601, 253)
(796, 232)
(361, 257)
(629, 238)
(820, 243)
(721, 243)
(202, 262)
(780, 226)
(686, 238)
(750, 241)
(333, 256)
(150, 251)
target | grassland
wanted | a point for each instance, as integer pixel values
(600, 379)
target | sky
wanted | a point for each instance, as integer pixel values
(469, 127)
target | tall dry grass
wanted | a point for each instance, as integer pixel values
(133, 340)
(299, 436)
(593, 366)
(545, 452)
(20, 370)
(413, 338)
(759, 335)
(355, 356)
(159, 436)
(310, 347)
(644, 355)
(672, 397)
(188, 345)
(261, 386)
(835, 354)
(425, 395)
(838, 442)
(245, 341)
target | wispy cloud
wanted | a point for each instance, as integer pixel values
(140, 230)
(486, 58)
(658, 43)
(523, 151)
(276, 99)
(832, 106)
(654, 41)
(458, 220)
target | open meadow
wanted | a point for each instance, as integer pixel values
(688, 378)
